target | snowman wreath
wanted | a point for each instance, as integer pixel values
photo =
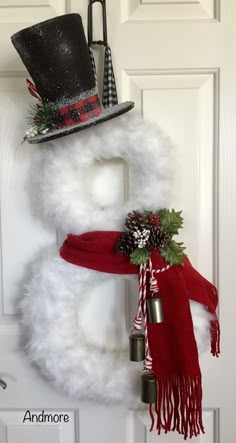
(176, 308)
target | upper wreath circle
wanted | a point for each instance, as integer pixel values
(63, 171)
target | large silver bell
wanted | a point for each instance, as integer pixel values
(155, 310)
(148, 388)
(136, 347)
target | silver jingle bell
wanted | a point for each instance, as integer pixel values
(136, 347)
(148, 388)
(155, 310)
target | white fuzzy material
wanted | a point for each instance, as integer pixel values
(74, 333)
(63, 174)
(59, 328)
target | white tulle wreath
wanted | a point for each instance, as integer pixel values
(63, 174)
(72, 334)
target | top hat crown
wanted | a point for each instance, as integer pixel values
(56, 55)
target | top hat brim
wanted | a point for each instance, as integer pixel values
(107, 114)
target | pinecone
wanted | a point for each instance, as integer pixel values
(136, 221)
(157, 238)
(125, 244)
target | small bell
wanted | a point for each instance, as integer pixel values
(155, 310)
(148, 388)
(136, 347)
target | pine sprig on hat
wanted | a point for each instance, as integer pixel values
(42, 118)
(150, 230)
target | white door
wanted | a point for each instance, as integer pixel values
(176, 60)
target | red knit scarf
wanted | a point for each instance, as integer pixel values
(172, 343)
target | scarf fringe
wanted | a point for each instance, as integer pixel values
(215, 327)
(215, 338)
(179, 406)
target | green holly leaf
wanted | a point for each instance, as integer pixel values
(173, 253)
(171, 221)
(140, 256)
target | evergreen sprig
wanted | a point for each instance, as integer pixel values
(42, 116)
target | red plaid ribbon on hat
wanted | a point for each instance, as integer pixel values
(79, 112)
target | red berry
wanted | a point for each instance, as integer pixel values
(154, 219)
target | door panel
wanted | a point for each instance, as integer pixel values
(185, 105)
(149, 10)
(16, 427)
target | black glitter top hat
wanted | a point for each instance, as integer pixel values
(56, 55)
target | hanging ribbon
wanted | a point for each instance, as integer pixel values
(109, 96)
(142, 304)
(93, 63)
